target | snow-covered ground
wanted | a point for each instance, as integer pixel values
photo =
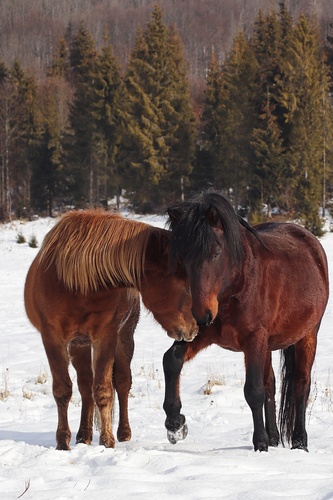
(215, 461)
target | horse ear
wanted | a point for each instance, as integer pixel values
(213, 218)
(174, 216)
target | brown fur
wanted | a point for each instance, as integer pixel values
(82, 295)
(254, 290)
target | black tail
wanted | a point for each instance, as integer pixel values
(287, 404)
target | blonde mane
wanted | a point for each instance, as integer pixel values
(94, 249)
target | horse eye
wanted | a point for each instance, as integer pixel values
(215, 256)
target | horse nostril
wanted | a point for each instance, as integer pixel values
(205, 320)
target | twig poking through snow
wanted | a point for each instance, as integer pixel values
(27, 486)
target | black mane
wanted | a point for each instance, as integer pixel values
(193, 236)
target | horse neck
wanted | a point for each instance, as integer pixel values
(235, 277)
(156, 259)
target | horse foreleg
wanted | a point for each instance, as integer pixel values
(270, 407)
(173, 361)
(305, 351)
(81, 360)
(254, 392)
(103, 360)
(57, 355)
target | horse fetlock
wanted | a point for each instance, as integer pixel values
(274, 441)
(261, 442)
(299, 442)
(175, 423)
(84, 437)
(63, 440)
(107, 440)
(124, 433)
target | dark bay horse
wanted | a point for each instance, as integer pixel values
(82, 294)
(254, 290)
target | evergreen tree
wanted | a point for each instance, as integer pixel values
(19, 128)
(108, 98)
(81, 158)
(303, 92)
(269, 174)
(208, 148)
(159, 126)
(60, 66)
(229, 119)
(46, 178)
(268, 166)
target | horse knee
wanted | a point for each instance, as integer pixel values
(62, 394)
(254, 394)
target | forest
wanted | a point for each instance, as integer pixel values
(101, 100)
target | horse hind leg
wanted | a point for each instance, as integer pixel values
(269, 405)
(122, 376)
(103, 362)
(80, 353)
(57, 355)
(298, 361)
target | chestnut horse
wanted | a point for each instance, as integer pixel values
(254, 290)
(82, 294)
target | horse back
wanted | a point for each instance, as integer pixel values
(295, 246)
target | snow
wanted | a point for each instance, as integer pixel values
(215, 461)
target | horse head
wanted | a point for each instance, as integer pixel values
(165, 292)
(206, 240)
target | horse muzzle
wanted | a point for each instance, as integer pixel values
(205, 320)
(184, 334)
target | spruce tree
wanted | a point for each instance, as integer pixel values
(228, 119)
(268, 165)
(81, 142)
(19, 129)
(159, 127)
(46, 172)
(303, 93)
(208, 147)
(107, 96)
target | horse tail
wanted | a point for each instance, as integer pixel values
(287, 411)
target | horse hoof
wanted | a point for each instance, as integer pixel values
(83, 441)
(63, 447)
(124, 434)
(261, 447)
(274, 442)
(181, 433)
(297, 445)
